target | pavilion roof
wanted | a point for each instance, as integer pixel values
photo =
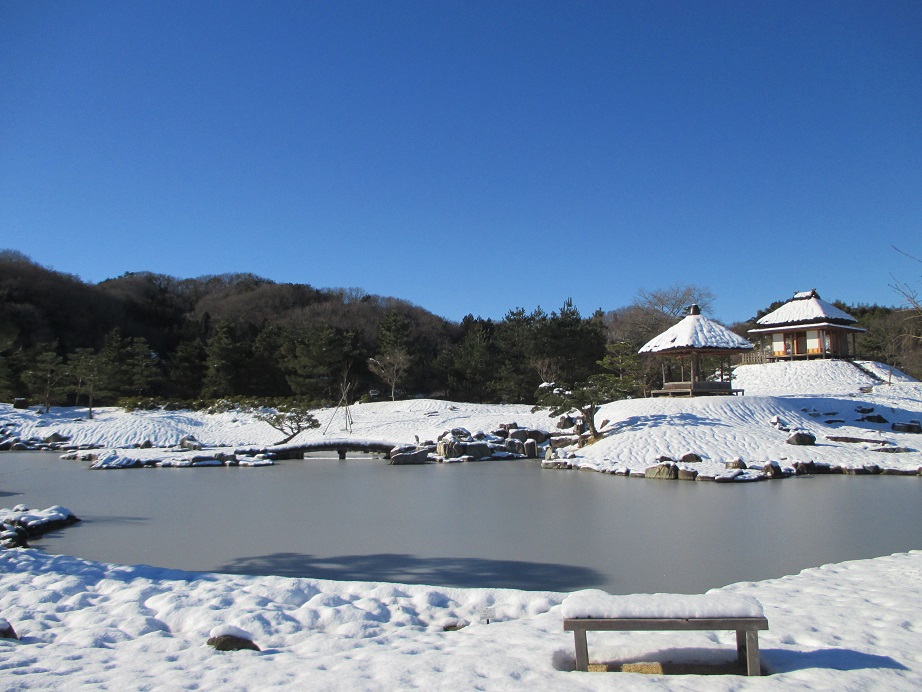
(696, 333)
(804, 308)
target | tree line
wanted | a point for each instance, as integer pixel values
(150, 337)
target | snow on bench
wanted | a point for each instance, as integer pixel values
(596, 610)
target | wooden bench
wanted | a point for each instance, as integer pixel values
(746, 626)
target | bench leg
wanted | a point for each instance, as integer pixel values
(582, 650)
(752, 653)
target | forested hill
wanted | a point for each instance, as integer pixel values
(142, 335)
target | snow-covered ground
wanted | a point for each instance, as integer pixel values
(855, 625)
(84, 625)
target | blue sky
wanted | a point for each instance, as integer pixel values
(471, 157)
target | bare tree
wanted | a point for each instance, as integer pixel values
(391, 367)
(909, 293)
(674, 300)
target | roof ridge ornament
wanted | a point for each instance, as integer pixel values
(693, 309)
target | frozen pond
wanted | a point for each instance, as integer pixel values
(504, 524)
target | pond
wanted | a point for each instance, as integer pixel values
(501, 523)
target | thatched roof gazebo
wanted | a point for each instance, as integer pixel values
(808, 327)
(693, 337)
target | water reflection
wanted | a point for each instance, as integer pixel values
(409, 569)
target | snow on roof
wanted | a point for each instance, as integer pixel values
(696, 332)
(806, 306)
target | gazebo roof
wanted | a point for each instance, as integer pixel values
(696, 334)
(804, 308)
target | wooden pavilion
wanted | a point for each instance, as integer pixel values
(696, 336)
(807, 327)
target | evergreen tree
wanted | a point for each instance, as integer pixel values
(46, 376)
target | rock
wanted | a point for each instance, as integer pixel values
(874, 418)
(515, 446)
(501, 432)
(801, 438)
(189, 442)
(449, 448)
(565, 422)
(230, 642)
(872, 469)
(893, 450)
(6, 630)
(55, 437)
(21, 403)
(690, 458)
(664, 459)
(864, 409)
(420, 456)
(559, 441)
(531, 449)
(478, 450)
(910, 427)
(687, 474)
(772, 469)
(665, 471)
(461, 433)
(736, 463)
(147, 444)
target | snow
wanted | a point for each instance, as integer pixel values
(698, 332)
(854, 625)
(805, 307)
(592, 603)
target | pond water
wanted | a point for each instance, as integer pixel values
(501, 524)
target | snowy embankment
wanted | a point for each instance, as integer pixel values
(848, 412)
(856, 625)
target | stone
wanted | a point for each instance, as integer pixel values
(559, 441)
(189, 442)
(515, 446)
(55, 437)
(501, 432)
(801, 438)
(736, 463)
(874, 418)
(147, 444)
(478, 450)
(687, 474)
(665, 471)
(531, 449)
(772, 469)
(911, 427)
(6, 630)
(663, 459)
(21, 403)
(461, 433)
(690, 458)
(893, 450)
(565, 422)
(420, 456)
(230, 642)
(864, 409)
(449, 448)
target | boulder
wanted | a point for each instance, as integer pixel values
(515, 446)
(687, 474)
(449, 448)
(910, 427)
(531, 449)
(189, 442)
(55, 437)
(565, 422)
(736, 463)
(772, 469)
(478, 450)
(801, 438)
(665, 471)
(6, 630)
(230, 642)
(874, 418)
(691, 458)
(419, 456)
